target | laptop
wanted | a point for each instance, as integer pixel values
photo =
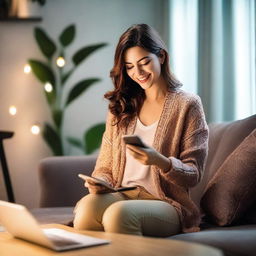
(20, 223)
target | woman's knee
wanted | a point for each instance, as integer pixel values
(89, 210)
(86, 212)
(119, 218)
(141, 217)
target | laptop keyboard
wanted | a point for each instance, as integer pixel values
(64, 239)
(61, 241)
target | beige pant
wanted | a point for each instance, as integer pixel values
(133, 212)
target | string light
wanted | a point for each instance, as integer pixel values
(48, 87)
(27, 69)
(60, 62)
(35, 129)
(12, 110)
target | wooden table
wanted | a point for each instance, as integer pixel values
(121, 245)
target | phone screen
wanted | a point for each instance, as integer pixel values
(134, 140)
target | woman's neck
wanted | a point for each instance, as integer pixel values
(157, 92)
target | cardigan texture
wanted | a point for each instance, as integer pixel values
(182, 136)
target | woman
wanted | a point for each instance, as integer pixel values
(147, 101)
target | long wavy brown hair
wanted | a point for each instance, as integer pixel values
(127, 97)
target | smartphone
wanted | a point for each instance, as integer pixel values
(134, 140)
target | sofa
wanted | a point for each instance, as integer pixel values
(226, 193)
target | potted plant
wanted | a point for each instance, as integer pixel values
(54, 77)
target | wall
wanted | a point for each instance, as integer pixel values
(96, 21)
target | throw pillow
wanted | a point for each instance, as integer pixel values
(232, 189)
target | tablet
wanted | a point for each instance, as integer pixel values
(105, 184)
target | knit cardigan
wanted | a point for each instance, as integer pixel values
(182, 136)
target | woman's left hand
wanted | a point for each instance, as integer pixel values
(149, 156)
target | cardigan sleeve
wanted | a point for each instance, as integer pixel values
(187, 170)
(103, 167)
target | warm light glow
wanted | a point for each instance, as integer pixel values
(27, 69)
(60, 62)
(35, 129)
(48, 87)
(12, 110)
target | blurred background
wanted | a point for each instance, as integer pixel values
(212, 52)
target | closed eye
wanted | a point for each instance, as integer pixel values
(129, 67)
(144, 64)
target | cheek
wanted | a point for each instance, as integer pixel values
(156, 68)
(153, 67)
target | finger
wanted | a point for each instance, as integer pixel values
(92, 190)
(98, 190)
(137, 149)
(134, 153)
(137, 156)
(91, 184)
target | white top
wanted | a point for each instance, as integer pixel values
(136, 173)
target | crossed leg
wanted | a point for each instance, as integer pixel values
(112, 212)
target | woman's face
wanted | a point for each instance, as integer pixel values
(142, 66)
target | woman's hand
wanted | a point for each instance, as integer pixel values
(149, 156)
(95, 188)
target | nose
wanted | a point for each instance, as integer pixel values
(139, 70)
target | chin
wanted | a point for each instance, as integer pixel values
(145, 86)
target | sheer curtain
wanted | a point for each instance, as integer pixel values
(212, 49)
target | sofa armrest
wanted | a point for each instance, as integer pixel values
(59, 183)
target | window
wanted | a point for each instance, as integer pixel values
(212, 52)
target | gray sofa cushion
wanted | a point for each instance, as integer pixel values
(59, 215)
(59, 182)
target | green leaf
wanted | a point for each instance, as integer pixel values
(93, 137)
(50, 96)
(75, 142)
(46, 45)
(66, 76)
(68, 35)
(79, 88)
(42, 72)
(53, 139)
(57, 117)
(83, 53)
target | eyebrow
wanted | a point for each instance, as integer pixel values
(138, 60)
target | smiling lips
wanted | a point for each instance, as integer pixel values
(144, 79)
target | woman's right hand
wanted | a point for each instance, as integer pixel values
(95, 188)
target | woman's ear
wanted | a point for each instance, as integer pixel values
(162, 56)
